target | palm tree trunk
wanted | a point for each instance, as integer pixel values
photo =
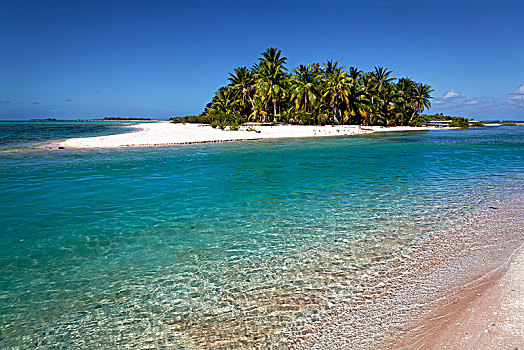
(305, 101)
(413, 115)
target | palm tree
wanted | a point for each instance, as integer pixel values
(305, 86)
(258, 110)
(271, 79)
(381, 76)
(379, 81)
(421, 98)
(336, 91)
(390, 105)
(274, 56)
(368, 90)
(358, 104)
(223, 102)
(242, 82)
(405, 87)
(355, 74)
(330, 67)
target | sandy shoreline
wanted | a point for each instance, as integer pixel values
(165, 133)
(461, 289)
(488, 314)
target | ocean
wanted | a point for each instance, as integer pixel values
(27, 135)
(243, 244)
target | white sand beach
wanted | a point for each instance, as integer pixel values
(489, 315)
(166, 133)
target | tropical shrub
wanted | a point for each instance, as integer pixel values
(199, 119)
(459, 122)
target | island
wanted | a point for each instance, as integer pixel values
(315, 94)
(267, 101)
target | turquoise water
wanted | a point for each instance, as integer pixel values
(32, 134)
(235, 244)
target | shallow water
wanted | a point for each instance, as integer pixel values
(237, 244)
(26, 135)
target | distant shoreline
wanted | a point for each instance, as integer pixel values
(165, 134)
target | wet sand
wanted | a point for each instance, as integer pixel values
(488, 314)
(166, 133)
(459, 289)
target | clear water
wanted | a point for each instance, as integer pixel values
(32, 134)
(232, 245)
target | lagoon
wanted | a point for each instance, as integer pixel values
(242, 244)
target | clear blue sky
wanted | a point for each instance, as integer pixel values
(72, 59)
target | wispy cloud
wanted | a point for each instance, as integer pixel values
(456, 98)
(451, 95)
(486, 101)
(516, 97)
(448, 97)
(473, 100)
(519, 91)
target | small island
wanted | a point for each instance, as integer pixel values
(314, 94)
(266, 101)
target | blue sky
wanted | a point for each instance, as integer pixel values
(73, 59)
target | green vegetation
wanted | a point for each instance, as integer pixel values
(429, 117)
(509, 124)
(190, 119)
(459, 122)
(478, 124)
(315, 94)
